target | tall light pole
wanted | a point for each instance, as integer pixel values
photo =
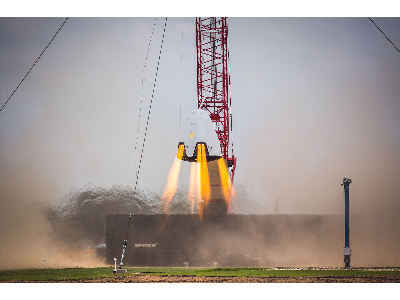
(347, 249)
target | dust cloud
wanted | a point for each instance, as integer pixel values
(38, 232)
(67, 232)
(30, 239)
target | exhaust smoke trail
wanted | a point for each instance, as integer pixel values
(172, 183)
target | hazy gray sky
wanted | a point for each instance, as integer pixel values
(313, 99)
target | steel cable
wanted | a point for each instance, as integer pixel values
(34, 63)
(143, 86)
(384, 34)
(125, 242)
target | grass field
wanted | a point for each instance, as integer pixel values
(92, 273)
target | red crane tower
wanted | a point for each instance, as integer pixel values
(213, 80)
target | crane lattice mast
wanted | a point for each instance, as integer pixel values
(213, 79)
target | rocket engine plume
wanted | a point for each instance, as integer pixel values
(172, 183)
(199, 188)
(194, 187)
(226, 182)
(204, 178)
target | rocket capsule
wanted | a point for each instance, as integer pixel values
(199, 129)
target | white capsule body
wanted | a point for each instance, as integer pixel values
(199, 129)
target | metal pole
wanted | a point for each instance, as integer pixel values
(347, 249)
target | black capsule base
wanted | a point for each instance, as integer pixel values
(347, 261)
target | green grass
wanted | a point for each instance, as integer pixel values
(243, 272)
(54, 274)
(88, 273)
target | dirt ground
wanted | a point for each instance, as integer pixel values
(209, 279)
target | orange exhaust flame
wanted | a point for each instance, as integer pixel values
(172, 183)
(194, 187)
(199, 189)
(226, 182)
(204, 178)
(225, 179)
(179, 155)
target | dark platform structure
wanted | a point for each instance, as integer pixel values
(230, 240)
